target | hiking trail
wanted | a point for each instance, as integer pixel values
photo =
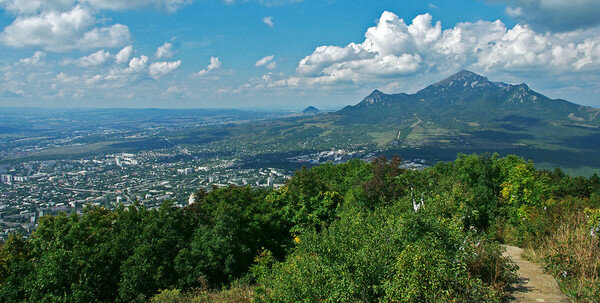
(533, 285)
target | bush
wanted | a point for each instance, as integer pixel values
(370, 257)
(426, 272)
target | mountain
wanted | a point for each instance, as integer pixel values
(466, 98)
(311, 110)
(464, 113)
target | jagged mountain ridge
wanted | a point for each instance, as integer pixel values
(467, 95)
(463, 113)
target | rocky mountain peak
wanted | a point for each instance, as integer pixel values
(465, 79)
(376, 97)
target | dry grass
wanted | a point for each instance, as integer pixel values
(236, 294)
(572, 255)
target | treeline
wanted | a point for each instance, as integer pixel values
(353, 232)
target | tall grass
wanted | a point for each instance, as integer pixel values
(572, 255)
(235, 294)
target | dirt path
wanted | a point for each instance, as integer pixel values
(534, 284)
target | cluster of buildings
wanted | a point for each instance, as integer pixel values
(36, 188)
(333, 156)
(11, 179)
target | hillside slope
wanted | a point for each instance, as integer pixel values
(462, 113)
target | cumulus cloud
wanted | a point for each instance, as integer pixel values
(169, 5)
(112, 36)
(164, 51)
(264, 61)
(214, 65)
(138, 63)
(124, 54)
(267, 62)
(268, 21)
(64, 25)
(268, 2)
(95, 59)
(558, 15)
(63, 31)
(159, 69)
(278, 2)
(37, 78)
(393, 48)
(178, 91)
(272, 65)
(37, 6)
(36, 59)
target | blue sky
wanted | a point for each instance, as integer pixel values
(286, 54)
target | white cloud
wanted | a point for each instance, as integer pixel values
(37, 59)
(95, 59)
(272, 65)
(169, 5)
(264, 61)
(560, 15)
(37, 6)
(268, 21)
(124, 54)
(174, 90)
(64, 25)
(63, 31)
(164, 51)
(113, 36)
(56, 81)
(138, 64)
(394, 48)
(278, 2)
(159, 69)
(268, 2)
(178, 91)
(214, 65)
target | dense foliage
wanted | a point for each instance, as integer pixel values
(353, 232)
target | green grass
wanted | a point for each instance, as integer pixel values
(79, 149)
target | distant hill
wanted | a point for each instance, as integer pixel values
(311, 110)
(467, 98)
(465, 113)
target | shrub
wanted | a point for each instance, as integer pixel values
(383, 255)
(426, 272)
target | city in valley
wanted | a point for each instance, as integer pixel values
(61, 171)
(33, 189)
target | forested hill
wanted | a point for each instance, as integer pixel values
(464, 113)
(353, 232)
(467, 97)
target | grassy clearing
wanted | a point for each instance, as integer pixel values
(384, 138)
(78, 149)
